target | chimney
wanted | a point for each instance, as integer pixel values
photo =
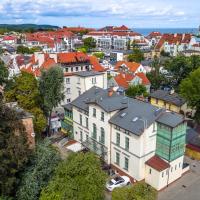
(171, 91)
(110, 92)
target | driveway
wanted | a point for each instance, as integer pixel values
(187, 187)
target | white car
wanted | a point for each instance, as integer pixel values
(118, 181)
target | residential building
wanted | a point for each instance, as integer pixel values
(127, 74)
(154, 38)
(116, 38)
(173, 43)
(170, 101)
(135, 138)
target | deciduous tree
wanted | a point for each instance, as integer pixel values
(190, 90)
(77, 178)
(136, 90)
(25, 91)
(51, 87)
(139, 191)
(136, 56)
(40, 170)
(14, 151)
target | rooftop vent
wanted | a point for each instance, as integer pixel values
(122, 115)
(134, 119)
(124, 100)
(158, 111)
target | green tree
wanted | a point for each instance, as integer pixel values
(136, 90)
(14, 150)
(154, 76)
(77, 178)
(136, 56)
(25, 91)
(139, 191)
(3, 73)
(99, 55)
(190, 91)
(51, 87)
(41, 168)
(89, 42)
(179, 67)
(23, 50)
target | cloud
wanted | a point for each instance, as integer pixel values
(112, 10)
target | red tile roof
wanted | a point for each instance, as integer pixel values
(72, 57)
(157, 163)
(132, 66)
(123, 79)
(48, 63)
(9, 38)
(154, 34)
(96, 66)
(145, 80)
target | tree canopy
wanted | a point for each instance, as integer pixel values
(89, 43)
(25, 50)
(136, 56)
(190, 91)
(25, 91)
(77, 178)
(99, 55)
(139, 191)
(181, 66)
(136, 90)
(40, 170)
(3, 73)
(52, 89)
(154, 76)
(14, 150)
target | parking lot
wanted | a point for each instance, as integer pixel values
(186, 188)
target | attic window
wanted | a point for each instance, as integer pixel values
(134, 119)
(123, 114)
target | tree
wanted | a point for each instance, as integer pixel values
(51, 88)
(89, 43)
(99, 55)
(165, 54)
(39, 172)
(136, 90)
(14, 150)
(3, 73)
(190, 91)
(136, 56)
(154, 76)
(25, 91)
(139, 191)
(77, 178)
(23, 50)
(179, 67)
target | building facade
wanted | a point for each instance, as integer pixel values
(129, 135)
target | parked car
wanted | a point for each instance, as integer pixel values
(118, 181)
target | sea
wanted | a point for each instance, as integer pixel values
(146, 31)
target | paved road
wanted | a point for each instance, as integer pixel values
(186, 188)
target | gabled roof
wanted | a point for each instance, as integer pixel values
(157, 163)
(96, 66)
(123, 79)
(48, 63)
(145, 80)
(173, 98)
(72, 57)
(132, 66)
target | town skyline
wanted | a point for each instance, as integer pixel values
(139, 14)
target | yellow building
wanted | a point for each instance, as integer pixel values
(170, 101)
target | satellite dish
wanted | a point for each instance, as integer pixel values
(32, 134)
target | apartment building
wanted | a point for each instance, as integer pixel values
(116, 38)
(137, 139)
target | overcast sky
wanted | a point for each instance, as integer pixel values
(98, 13)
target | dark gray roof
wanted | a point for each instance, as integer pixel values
(133, 115)
(166, 96)
(170, 119)
(68, 106)
(100, 97)
(136, 117)
(88, 73)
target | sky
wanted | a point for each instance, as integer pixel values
(99, 13)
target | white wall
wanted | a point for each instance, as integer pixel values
(141, 148)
